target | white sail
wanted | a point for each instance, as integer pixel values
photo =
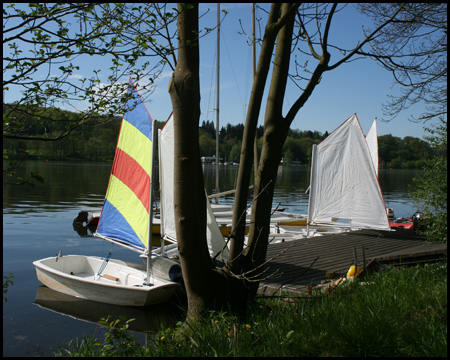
(215, 239)
(344, 184)
(372, 142)
(166, 168)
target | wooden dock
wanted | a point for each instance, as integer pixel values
(299, 263)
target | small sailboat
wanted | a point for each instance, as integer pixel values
(344, 192)
(216, 242)
(126, 219)
(344, 184)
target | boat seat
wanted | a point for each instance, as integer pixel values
(110, 277)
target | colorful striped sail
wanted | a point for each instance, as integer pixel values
(126, 211)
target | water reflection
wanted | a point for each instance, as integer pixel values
(146, 319)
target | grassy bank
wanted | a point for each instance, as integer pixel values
(396, 312)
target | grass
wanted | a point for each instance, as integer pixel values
(395, 312)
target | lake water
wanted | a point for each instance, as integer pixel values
(37, 223)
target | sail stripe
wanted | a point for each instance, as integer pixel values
(131, 173)
(136, 144)
(130, 206)
(122, 230)
(126, 211)
(136, 114)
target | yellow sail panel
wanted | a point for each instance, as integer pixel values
(136, 145)
(122, 198)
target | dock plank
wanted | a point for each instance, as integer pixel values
(306, 261)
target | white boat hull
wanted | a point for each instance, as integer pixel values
(314, 230)
(119, 284)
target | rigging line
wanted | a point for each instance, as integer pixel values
(210, 87)
(288, 103)
(232, 70)
(247, 89)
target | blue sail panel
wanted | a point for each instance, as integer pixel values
(121, 231)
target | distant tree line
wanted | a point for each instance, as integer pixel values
(406, 153)
(394, 152)
(96, 141)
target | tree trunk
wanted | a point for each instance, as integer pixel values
(275, 22)
(189, 194)
(276, 129)
(207, 286)
(235, 255)
(275, 132)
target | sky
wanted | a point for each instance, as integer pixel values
(360, 87)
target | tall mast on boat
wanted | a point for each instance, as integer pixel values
(308, 220)
(255, 146)
(150, 209)
(217, 99)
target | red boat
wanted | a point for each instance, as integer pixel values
(404, 223)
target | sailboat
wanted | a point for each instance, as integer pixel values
(344, 184)
(216, 243)
(344, 192)
(126, 219)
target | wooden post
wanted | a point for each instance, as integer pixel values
(364, 258)
(355, 257)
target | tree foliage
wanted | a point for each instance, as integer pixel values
(44, 43)
(402, 153)
(46, 46)
(414, 49)
(431, 187)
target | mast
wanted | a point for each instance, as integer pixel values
(150, 210)
(217, 99)
(255, 145)
(310, 188)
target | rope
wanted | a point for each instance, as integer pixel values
(105, 262)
